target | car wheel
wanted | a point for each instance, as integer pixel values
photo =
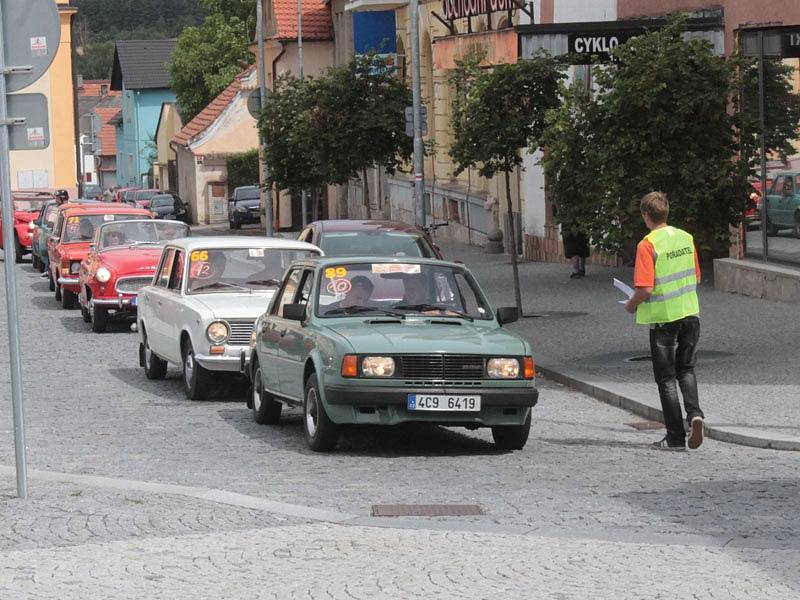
(51, 285)
(68, 299)
(796, 228)
(87, 316)
(154, 367)
(772, 230)
(99, 319)
(266, 410)
(18, 250)
(195, 378)
(512, 437)
(236, 225)
(322, 434)
(58, 293)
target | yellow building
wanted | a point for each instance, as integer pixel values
(55, 166)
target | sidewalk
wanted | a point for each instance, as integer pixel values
(747, 369)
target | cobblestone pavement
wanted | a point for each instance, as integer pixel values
(585, 510)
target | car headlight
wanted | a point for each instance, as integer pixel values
(377, 366)
(102, 275)
(502, 368)
(253, 337)
(31, 225)
(217, 332)
(75, 267)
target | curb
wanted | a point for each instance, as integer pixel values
(733, 435)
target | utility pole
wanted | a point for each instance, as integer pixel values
(262, 89)
(303, 196)
(419, 178)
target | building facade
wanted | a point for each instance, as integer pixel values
(140, 74)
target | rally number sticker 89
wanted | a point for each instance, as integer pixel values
(444, 403)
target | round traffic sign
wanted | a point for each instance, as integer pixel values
(31, 37)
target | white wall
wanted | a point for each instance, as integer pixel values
(577, 11)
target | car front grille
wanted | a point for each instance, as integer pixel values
(131, 285)
(241, 329)
(441, 367)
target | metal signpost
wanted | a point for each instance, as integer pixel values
(30, 33)
(416, 95)
(303, 195)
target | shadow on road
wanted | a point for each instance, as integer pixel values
(225, 388)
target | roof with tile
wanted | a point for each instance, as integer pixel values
(317, 23)
(142, 64)
(206, 117)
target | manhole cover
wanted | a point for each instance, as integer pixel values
(646, 425)
(554, 314)
(425, 510)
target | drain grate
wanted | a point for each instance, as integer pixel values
(645, 425)
(426, 510)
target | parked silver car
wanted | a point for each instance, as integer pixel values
(200, 310)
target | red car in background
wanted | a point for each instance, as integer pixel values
(26, 209)
(752, 214)
(142, 198)
(121, 261)
(125, 194)
(72, 235)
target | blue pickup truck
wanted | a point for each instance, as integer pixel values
(783, 203)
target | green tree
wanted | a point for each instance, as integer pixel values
(206, 59)
(660, 120)
(242, 169)
(244, 10)
(496, 113)
(95, 60)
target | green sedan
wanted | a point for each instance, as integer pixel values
(384, 341)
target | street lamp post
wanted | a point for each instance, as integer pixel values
(419, 179)
(303, 197)
(262, 88)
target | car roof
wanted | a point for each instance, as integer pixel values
(239, 241)
(106, 209)
(325, 261)
(337, 225)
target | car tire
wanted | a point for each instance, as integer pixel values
(99, 319)
(266, 410)
(321, 433)
(236, 225)
(796, 228)
(18, 250)
(772, 230)
(58, 293)
(87, 316)
(512, 437)
(68, 299)
(196, 379)
(34, 262)
(51, 285)
(154, 367)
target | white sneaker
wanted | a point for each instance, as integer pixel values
(696, 434)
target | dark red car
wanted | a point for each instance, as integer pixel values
(121, 260)
(26, 209)
(142, 198)
(348, 237)
(72, 234)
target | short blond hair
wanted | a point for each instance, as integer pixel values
(656, 206)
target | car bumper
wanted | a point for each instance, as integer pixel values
(230, 361)
(119, 303)
(246, 218)
(71, 284)
(389, 396)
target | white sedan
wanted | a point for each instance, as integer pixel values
(200, 309)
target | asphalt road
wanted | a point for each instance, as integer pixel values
(585, 510)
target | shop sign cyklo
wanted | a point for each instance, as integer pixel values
(587, 45)
(461, 9)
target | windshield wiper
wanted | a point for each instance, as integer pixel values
(425, 306)
(142, 243)
(223, 283)
(269, 282)
(355, 309)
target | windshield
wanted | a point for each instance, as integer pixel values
(230, 269)
(146, 194)
(29, 205)
(375, 243)
(248, 194)
(81, 228)
(400, 290)
(162, 202)
(50, 214)
(122, 234)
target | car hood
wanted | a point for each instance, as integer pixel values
(25, 217)
(132, 261)
(235, 306)
(427, 336)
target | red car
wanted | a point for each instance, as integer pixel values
(125, 194)
(142, 198)
(72, 234)
(121, 261)
(26, 209)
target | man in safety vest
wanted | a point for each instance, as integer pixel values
(666, 276)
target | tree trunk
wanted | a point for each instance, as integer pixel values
(366, 193)
(512, 233)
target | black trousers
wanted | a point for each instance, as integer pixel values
(673, 347)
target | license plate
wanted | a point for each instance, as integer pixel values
(134, 301)
(444, 403)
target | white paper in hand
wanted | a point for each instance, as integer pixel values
(624, 288)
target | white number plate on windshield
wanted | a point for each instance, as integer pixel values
(443, 402)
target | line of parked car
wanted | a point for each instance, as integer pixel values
(354, 322)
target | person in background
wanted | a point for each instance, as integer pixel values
(576, 248)
(665, 277)
(62, 196)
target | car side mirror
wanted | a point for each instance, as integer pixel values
(294, 312)
(92, 247)
(507, 314)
